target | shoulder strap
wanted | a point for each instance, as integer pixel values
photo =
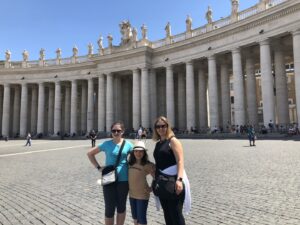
(120, 152)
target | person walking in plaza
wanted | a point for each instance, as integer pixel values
(28, 139)
(139, 190)
(251, 135)
(115, 194)
(169, 160)
(93, 137)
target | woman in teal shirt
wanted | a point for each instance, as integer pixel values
(115, 194)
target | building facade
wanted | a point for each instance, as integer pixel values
(236, 70)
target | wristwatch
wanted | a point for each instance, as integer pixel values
(179, 179)
(98, 167)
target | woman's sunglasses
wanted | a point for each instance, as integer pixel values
(116, 131)
(161, 126)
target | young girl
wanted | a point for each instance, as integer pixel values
(139, 190)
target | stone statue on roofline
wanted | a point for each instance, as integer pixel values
(209, 15)
(7, 55)
(25, 55)
(42, 54)
(234, 7)
(188, 23)
(100, 45)
(144, 31)
(75, 51)
(126, 31)
(134, 35)
(58, 53)
(110, 39)
(168, 30)
(90, 49)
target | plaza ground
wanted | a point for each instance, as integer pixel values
(52, 182)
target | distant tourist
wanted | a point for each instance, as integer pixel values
(251, 135)
(93, 138)
(28, 139)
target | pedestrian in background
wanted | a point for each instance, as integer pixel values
(28, 139)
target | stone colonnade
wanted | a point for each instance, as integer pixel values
(194, 93)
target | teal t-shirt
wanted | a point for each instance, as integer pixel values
(111, 151)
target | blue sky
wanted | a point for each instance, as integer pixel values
(49, 24)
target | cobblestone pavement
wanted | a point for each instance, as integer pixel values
(52, 182)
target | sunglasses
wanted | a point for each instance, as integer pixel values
(116, 131)
(161, 126)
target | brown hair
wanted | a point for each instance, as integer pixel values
(118, 123)
(169, 132)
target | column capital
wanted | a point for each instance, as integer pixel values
(6, 84)
(236, 50)
(145, 68)
(211, 57)
(169, 67)
(57, 82)
(189, 62)
(135, 70)
(265, 42)
(110, 74)
(41, 83)
(296, 32)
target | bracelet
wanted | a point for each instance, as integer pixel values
(98, 167)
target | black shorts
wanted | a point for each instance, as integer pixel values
(115, 196)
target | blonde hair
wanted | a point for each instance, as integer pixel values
(169, 132)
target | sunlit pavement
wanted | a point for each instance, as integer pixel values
(52, 182)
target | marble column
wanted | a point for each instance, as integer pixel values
(6, 110)
(51, 111)
(118, 115)
(74, 103)
(213, 93)
(238, 87)
(190, 96)
(16, 112)
(296, 47)
(181, 101)
(109, 101)
(57, 109)
(145, 98)
(90, 106)
(136, 99)
(170, 95)
(101, 103)
(225, 96)
(24, 110)
(34, 110)
(251, 91)
(83, 108)
(153, 96)
(68, 109)
(202, 91)
(267, 82)
(41, 109)
(282, 102)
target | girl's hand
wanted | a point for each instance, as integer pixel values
(178, 187)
